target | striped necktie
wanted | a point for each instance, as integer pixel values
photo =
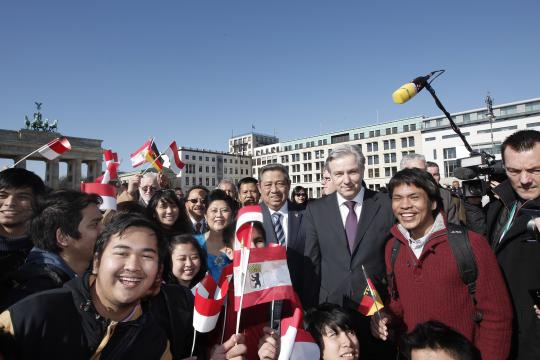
(278, 228)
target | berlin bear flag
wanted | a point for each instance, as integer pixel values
(260, 274)
(55, 148)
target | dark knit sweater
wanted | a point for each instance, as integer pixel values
(430, 288)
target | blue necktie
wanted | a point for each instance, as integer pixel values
(280, 234)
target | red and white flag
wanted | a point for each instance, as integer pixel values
(55, 148)
(139, 156)
(171, 159)
(106, 191)
(264, 270)
(297, 343)
(111, 171)
(267, 277)
(209, 297)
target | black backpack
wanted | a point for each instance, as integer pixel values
(461, 248)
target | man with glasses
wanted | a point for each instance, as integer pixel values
(140, 188)
(196, 207)
(511, 226)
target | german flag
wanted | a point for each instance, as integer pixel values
(371, 301)
(154, 158)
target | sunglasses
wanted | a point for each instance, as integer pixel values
(195, 201)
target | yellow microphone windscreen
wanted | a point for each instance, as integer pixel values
(404, 93)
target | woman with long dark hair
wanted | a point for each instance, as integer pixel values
(187, 261)
(167, 211)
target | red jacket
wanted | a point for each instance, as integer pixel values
(430, 288)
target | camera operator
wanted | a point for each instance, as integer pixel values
(505, 223)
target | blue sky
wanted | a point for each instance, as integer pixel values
(197, 71)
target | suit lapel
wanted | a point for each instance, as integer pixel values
(268, 225)
(370, 208)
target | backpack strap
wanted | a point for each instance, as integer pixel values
(462, 251)
(391, 275)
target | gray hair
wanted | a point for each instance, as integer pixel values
(410, 157)
(151, 175)
(344, 150)
(275, 167)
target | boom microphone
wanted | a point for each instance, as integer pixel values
(409, 90)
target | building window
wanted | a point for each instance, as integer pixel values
(449, 167)
(434, 154)
(405, 128)
(413, 127)
(411, 141)
(187, 180)
(449, 153)
(370, 173)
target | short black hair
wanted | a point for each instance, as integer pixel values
(218, 194)
(431, 164)
(520, 141)
(328, 315)
(275, 167)
(61, 209)
(197, 187)
(187, 239)
(119, 224)
(421, 179)
(17, 178)
(247, 180)
(437, 336)
(182, 224)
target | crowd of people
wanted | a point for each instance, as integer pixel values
(455, 279)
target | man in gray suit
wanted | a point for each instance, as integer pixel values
(345, 230)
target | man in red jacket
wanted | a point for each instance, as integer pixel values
(426, 283)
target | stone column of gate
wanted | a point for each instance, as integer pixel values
(52, 173)
(22, 164)
(93, 169)
(74, 173)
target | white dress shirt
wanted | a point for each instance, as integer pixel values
(344, 210)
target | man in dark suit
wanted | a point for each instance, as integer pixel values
(282, 219)
(345, 230)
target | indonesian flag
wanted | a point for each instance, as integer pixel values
(139, 156)
(371, 301)
(153, 157)
(106, 191)
(171, 159)
(297, 343)
(55, 148)
(111, 172)
(209, 297)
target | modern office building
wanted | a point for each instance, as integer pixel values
(208, 167)
(443, 146)
(382, 144)
(245, 143)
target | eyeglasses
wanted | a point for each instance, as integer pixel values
(148, 189)
(195, 201)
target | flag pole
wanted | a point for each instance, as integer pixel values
(194, 338)
(244, 260)
(27, 156)
(224, 319)
(371, 293)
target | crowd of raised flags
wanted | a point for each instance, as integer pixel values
(268, 265)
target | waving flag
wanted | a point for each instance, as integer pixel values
(111, 171)
(153, 156)
(246, 215)
(171, 159)
(371, 301)
(106, 191)
(297, 343)
(139, 156)
(209, 297)
(55, 148)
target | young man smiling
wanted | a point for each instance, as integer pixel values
(424, 281)
(100, 315)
